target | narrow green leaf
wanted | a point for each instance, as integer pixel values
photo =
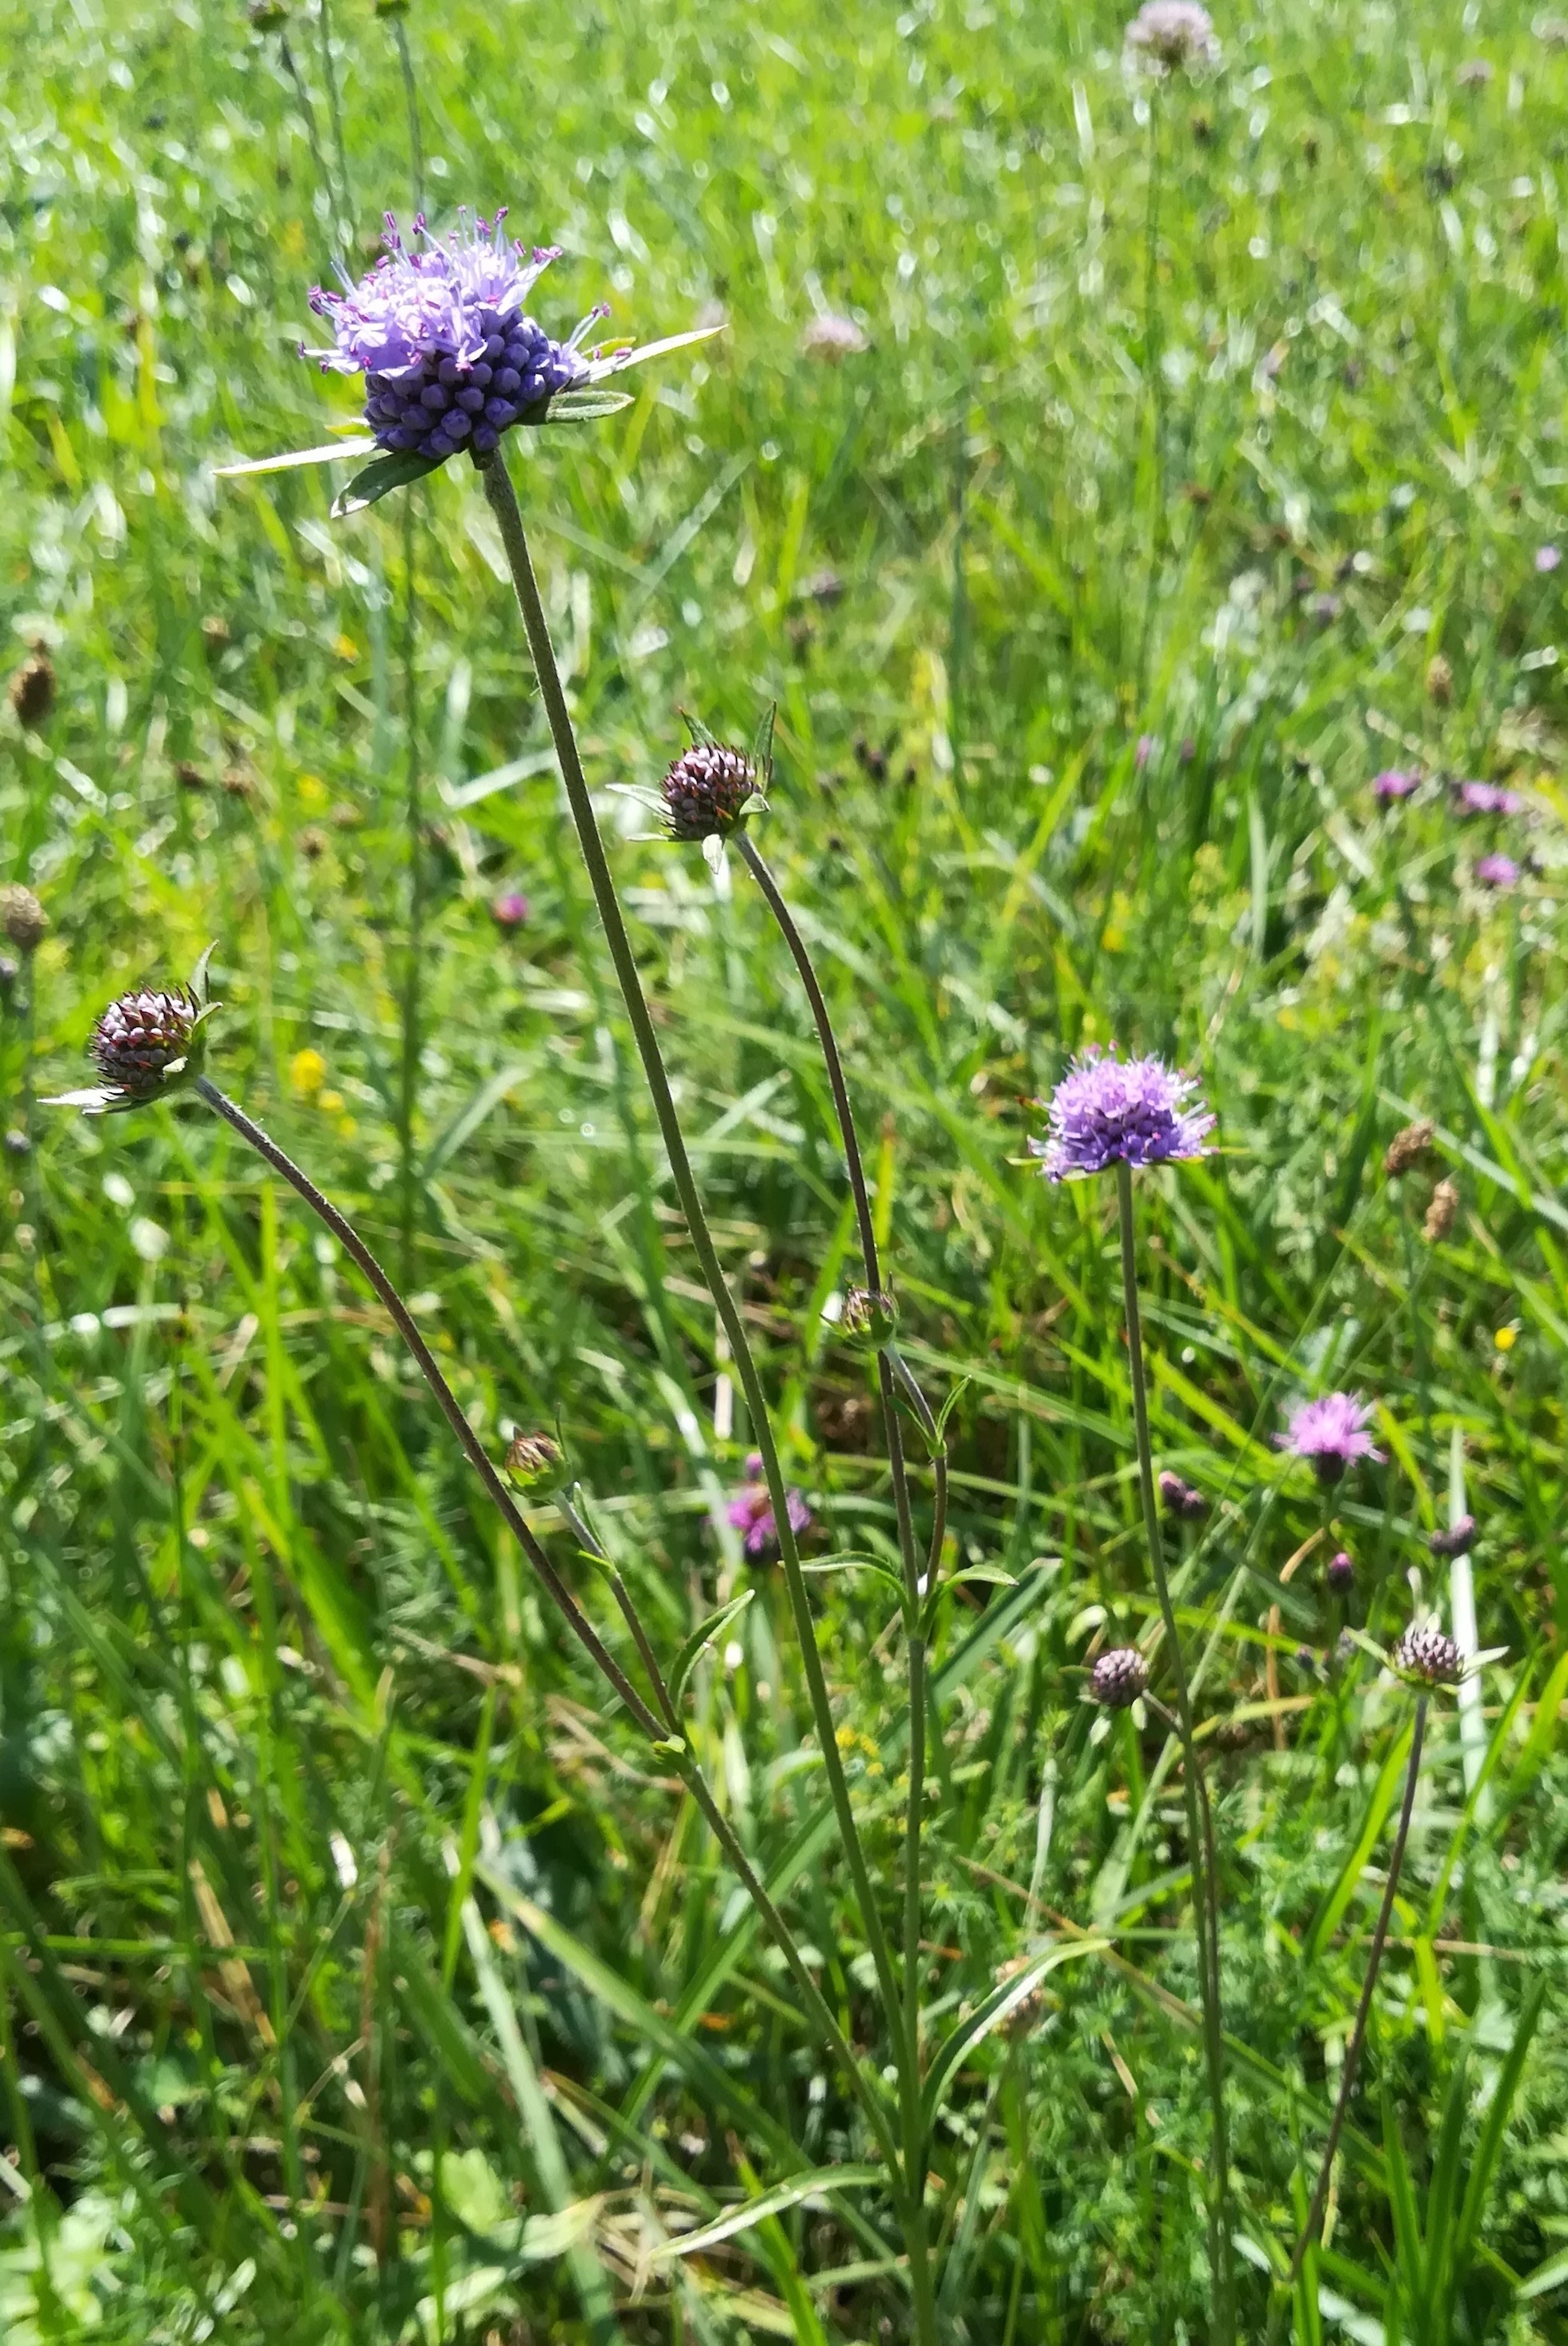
(701, 1637)
(378, 480)
(747, 2212)
(1484, 2158)
(360, 444)
(993, 2012)
(1326, 1921)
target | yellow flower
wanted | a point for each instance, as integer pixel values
(307, 1074)
(312, 791)
(331, 1102)
(1506, 1339)
(346, 649)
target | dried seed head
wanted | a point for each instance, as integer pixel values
(1118, 1677)
(21, 917)
(1425, 1653)
(142, 1039)
(1030, 2008)
(868, 1318)
(705, 790)
(1440, 681)
(1457, 1541)
(1441, 1213)
(32, 689)
(1408, 1146)
(533, 1463)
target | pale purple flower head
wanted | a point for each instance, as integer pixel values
(1547, 558)
(1109, 1111)
(1331, 1433)
(439, 332)
(510, 911)
(751, 1512)
(1486, 798)
(1497, 871)
(1165, 34)
(1394, 783)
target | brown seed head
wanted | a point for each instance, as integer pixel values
(1407, 1147)
(21, 917)
(32, 689)
(1441, 1213)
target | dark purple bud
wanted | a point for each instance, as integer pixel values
(1342, 1572)
(1424, 1653)
(1458, 1541)
(1118, 1677)
(705, 790)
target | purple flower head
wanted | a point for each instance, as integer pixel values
(439, 331)
(1393, 783)
(511, 910)
(1496, 871)
(1110, 1111)
(1331, 1433)
(1486, 798)
(751, 1512)
(1547, 558)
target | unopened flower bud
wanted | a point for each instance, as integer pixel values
(1180, 1498)
(1407, 1147)
(1118, 1677)
(533, 1463)
(1425, 1653)
(1457, 1541)
(143, 1038)
(1441, 1213)
(1440, 681)
(21, 917)
(1342, 1572)
(868, 1318)
(705, 790)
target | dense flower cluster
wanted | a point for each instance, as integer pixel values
(1331, 1433)
(1118, 1677)
(1109, 1111)
(141, 1040)
(449, 356)
(705, 790)
(1424, 1652)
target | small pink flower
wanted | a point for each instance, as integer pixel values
(1497, 871)
(1394, 783)
(751, 1512)
(511, 910)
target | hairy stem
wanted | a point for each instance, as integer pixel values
(1313, 2225)
(504, 504)
(657, 1730)
(1206, 1896)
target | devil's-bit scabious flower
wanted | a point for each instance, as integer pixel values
(1486, 798)
(21, 917)
(1118, 1677)
(1425, 1654)
(146, 1046)
(1330, 1434)
(1457, 1541)
(1167, 33)
(1496, 872)
(706, 791)
(833, 338)
(450, 356)
(1395, 782)
(1109, 1111)
(751, 1512)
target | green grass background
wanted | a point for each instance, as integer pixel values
(359, 1983)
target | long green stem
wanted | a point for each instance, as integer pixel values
(413, 947)
(657, 1729)
(411, 103)
(504, 504)
(1206, 1896)
(1309, 2230)
(1153, 379)
(914, 1631)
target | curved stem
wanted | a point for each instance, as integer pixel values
(504, 504)
(1310, 2229)
(1206, 1901)
(582, 1628)
(893, 1435)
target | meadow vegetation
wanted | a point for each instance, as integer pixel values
(1138, 497)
